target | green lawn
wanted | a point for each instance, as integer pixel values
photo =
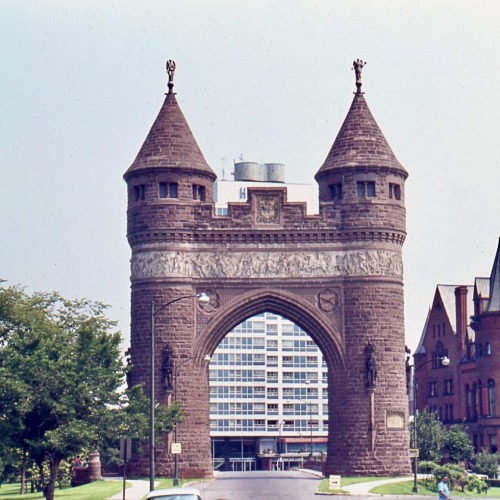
(346, 481)
(405, 488)
(98, 490)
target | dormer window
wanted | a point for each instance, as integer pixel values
(168, 189)
(366, 189)
(336, 191)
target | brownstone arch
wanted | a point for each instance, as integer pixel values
(289, 305)
(337, 274)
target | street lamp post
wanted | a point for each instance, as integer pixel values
(203, 300)
(445, 361)
(177, 368)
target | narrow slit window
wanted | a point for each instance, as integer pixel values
(395, 191)
(366, 189)
(140, 192)
(336, 191)
(168, 190)
(199, 192)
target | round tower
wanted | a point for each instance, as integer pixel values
(361, 189)
(170, 190)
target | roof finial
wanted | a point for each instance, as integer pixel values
(357, 65)
(170, 71)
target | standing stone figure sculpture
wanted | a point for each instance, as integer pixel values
(371, 366)
(167, 369)
(358, 67)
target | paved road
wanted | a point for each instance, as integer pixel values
(287, 485)
(261, 485)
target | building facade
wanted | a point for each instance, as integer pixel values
(337, 274)
(464, 325)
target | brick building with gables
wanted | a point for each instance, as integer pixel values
(463, 324)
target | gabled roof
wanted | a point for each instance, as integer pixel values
(170, 143)
(494, 302)
(482, 287)
(446, 295)
(360, 142)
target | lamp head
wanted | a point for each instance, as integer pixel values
(203, 299)
(445, 361)
(206, 357)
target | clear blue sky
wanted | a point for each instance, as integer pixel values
(82, 82)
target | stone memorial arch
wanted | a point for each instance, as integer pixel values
(338, 275)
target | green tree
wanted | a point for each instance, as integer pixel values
(430, 436)
(486, 463)
(61, 371)
(458, 442)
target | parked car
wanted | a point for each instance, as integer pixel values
(175, 494)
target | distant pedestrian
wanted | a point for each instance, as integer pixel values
(78, 461)
(443, 490)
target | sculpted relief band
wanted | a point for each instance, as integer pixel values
(213, 264)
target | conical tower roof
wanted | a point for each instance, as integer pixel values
(360, 142)
(170, 142)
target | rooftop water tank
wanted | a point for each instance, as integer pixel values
(249, 171)
(275, 172)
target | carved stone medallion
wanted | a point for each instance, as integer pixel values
(268, 211)
(328, 299)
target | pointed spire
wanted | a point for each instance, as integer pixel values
(170, 142)
(494, 302)
(360, 142)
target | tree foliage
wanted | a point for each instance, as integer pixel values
(430, 436)
(61, 371)
(486, 463)
(459, 445)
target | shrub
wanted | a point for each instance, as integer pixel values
(452, 471)
(476, 484)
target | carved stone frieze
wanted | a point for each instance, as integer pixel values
(266, 264)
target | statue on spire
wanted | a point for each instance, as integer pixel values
(357, 65)
(171, 70)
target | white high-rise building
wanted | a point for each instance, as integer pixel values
(268, 380)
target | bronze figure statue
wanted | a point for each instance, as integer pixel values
(357, 65)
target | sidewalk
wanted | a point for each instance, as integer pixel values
(138, 490)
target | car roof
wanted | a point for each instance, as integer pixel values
(174, 491)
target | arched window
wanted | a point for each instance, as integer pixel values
(492, 403)
(468, 402)
(474, 401)
(438, 354)
(480, 398)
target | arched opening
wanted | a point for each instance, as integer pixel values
(268, 397)
(285, 417)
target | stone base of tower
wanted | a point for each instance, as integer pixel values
(393, 462)
(189, 468)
